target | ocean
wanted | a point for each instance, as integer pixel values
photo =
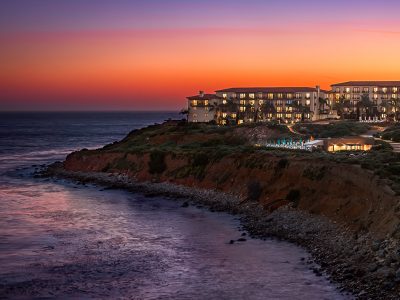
(63, 240)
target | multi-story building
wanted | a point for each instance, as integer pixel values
(366, 99)
(247, 105)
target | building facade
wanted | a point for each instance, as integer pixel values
(366, 99)
(248, 105)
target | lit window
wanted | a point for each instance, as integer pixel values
(233, 115)
(270, 96)
(252, 96)
(242, 108)
(224, 101)
(348, 97)
(234, 95)
(394, 96)
(394, 90)
(224, 115)
(308, 102)
(365, 90)
(375, 89)
(260, 95)
(224, 96)
(375, 96)
(337, 96)
(251, 102)
(337, 90)
(280, 95)
(289, 96)
(308, 95)
(289, 116)
(279, 115)
(242, 96)
(279, 109)
(223, 122)
(240, 122)
(356, 90)
(206, 102)
(242, 102)
(347, 90)
(298, 96)
(261, 102)
(194, 102)
(384, 90)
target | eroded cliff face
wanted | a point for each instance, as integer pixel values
(347, 194)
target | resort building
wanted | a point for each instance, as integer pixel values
(348, 144)
(248, 105)
(366, 99)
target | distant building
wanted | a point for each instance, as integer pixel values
(258, 104)
(366, 99)
(348, 144)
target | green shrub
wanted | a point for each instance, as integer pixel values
(157, 162)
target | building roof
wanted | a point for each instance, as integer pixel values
(369, 83)
(203, 97)
(268, 90)
(350, 140)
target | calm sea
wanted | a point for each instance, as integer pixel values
(60, 240)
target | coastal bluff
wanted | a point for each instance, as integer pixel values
(343, 212)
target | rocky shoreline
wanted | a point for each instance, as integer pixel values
(360, 264)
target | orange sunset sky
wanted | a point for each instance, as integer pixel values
(150, 55)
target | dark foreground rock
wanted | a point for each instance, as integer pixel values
(367, 267)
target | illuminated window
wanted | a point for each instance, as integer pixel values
(261, 102)
(298, 116)
(252, 96)
(375, 89)
(194, 102)
(224, 96)
(337, 96)
(242, 108)
(394, 96)
(195, 121)
(348, 97)
(384, 90)
(223, 122)
(308, 102)
(394, 90)
(298, 96)
(279, 109)
(289, 96)
(280, 95)
(224, 115)
(365, 90)
(337, 90)
(233, 115)
(224, 101)
(251, 102)
(234, 95)
(260, 95)
(242, 102)
(279, 115)
(270, 96)
(347, 90)
(242, 96)
(385, 97)
(308, 95)
(206, 102)
(240, 122)
(375, 96)
(289, 116)
(356, 90)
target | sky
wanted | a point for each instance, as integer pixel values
(151, 54)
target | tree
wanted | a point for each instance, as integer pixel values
(267, 108)
(341, 106)
(183, 112)
(300, 108)
(365, 105)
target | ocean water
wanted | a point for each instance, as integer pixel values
(61, 240)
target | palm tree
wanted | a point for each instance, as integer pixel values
(267, 108)
(366, 105)
(341, 106)
(299, 107)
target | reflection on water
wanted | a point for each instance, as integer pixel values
(62, 240)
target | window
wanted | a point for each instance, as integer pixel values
(337, 96)
(394, 96)
(365, 90)
(375, 96)
(289, 96)
(233, 115)
(234, 95)
(242, 102)
(394, 90)
(356, 97)
(207, 108)
(279, 102)
(252, 96)
(384, 96)
(308, 95)
(260, 95)
(289, 102)
(240, 122)
(298, 96)
(288, 116)
(279, 115)
(348, 97)
(194, 120)
(251, 102)
(356, 90)
(206, 115)
(242, 96)
(205, 102)
(298, 116)
(384, 89)
(279, 109)
(308, 102)
(242, 108)
(194, 116)
(194, 102)
(337, 90)
(224, 96)
(347, 90)
(270, 96)
(280, 95)
(261, 102)
(224, 101)
(375, 89)
(224, 115)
